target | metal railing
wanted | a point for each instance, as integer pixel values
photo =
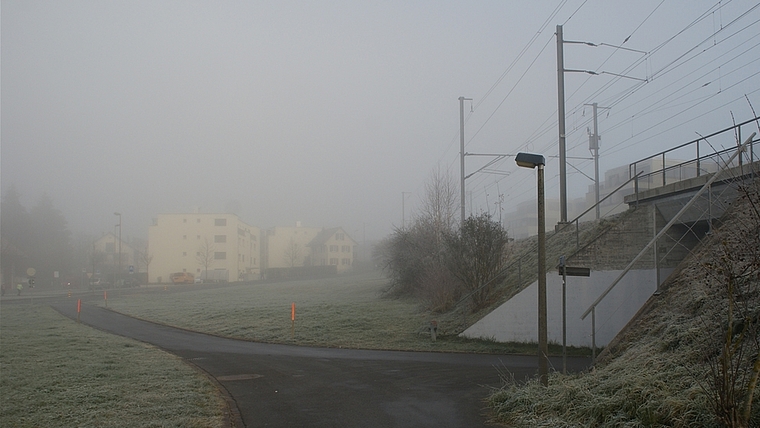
(700, 164)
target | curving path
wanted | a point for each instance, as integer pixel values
(290, 386)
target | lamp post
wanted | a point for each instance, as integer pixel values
(119, 271)
(531, 160)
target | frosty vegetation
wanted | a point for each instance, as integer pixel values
(438, 260)
(691, 360)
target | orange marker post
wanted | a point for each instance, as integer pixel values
(293, 320)
(79, 308)
(105, 297)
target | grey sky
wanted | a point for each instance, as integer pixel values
(325, 112)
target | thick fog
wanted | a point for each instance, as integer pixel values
(328, 113)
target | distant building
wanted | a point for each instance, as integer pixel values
(107, 249)
(333, 247)
(294, 247)
(615, 177)
(181, 242)
(285, 247)
(522, 221)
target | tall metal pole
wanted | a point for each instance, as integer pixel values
(564, 314)
(595, 147)
(119, 271)
(561, 116)
(403, 210)
(461, 154)
(543, 349)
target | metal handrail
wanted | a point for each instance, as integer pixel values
(632, 166)
(666, 228)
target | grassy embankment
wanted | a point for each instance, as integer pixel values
(666, 369)
(57, 373)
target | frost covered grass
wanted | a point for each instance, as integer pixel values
(57, 373)
(669, 368)
(346, 311)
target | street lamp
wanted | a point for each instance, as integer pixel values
(119, 271)
(531, 160)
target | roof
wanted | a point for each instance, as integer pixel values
(326, 234)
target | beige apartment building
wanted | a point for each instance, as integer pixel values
(191, 242)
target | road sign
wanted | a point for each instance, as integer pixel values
(574, 271)
(30, 272)
(131, 269)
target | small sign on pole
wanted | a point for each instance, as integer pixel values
(79, 308)
(574, 271)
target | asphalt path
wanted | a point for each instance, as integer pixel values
(271, 385)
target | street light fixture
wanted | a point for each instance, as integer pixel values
(119, 271)
(532, 160)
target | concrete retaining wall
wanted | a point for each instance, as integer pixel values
(517, 319)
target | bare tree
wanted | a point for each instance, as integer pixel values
(293, 253)
(414, 256)
(439, 206)
(205, 256)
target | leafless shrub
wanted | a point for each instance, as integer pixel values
(732, 328)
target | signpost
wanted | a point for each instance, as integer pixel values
(566, 271)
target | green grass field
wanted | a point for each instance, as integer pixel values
(57, 373)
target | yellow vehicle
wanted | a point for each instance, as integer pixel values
(182, 278)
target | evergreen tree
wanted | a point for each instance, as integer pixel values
(50, 238)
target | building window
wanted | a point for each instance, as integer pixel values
(220, 238)
(220, 222)
(339, 237)
(346, 248)
(220, 255)
(334, 261)
(333, 249)
(110, 247)
(345, 262)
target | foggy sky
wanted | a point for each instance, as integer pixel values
(325, 112)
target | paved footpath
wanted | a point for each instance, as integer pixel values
(291, 386)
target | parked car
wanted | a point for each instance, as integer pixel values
(130, 282)
(182, 278)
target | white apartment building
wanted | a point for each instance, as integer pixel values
(181, 242)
